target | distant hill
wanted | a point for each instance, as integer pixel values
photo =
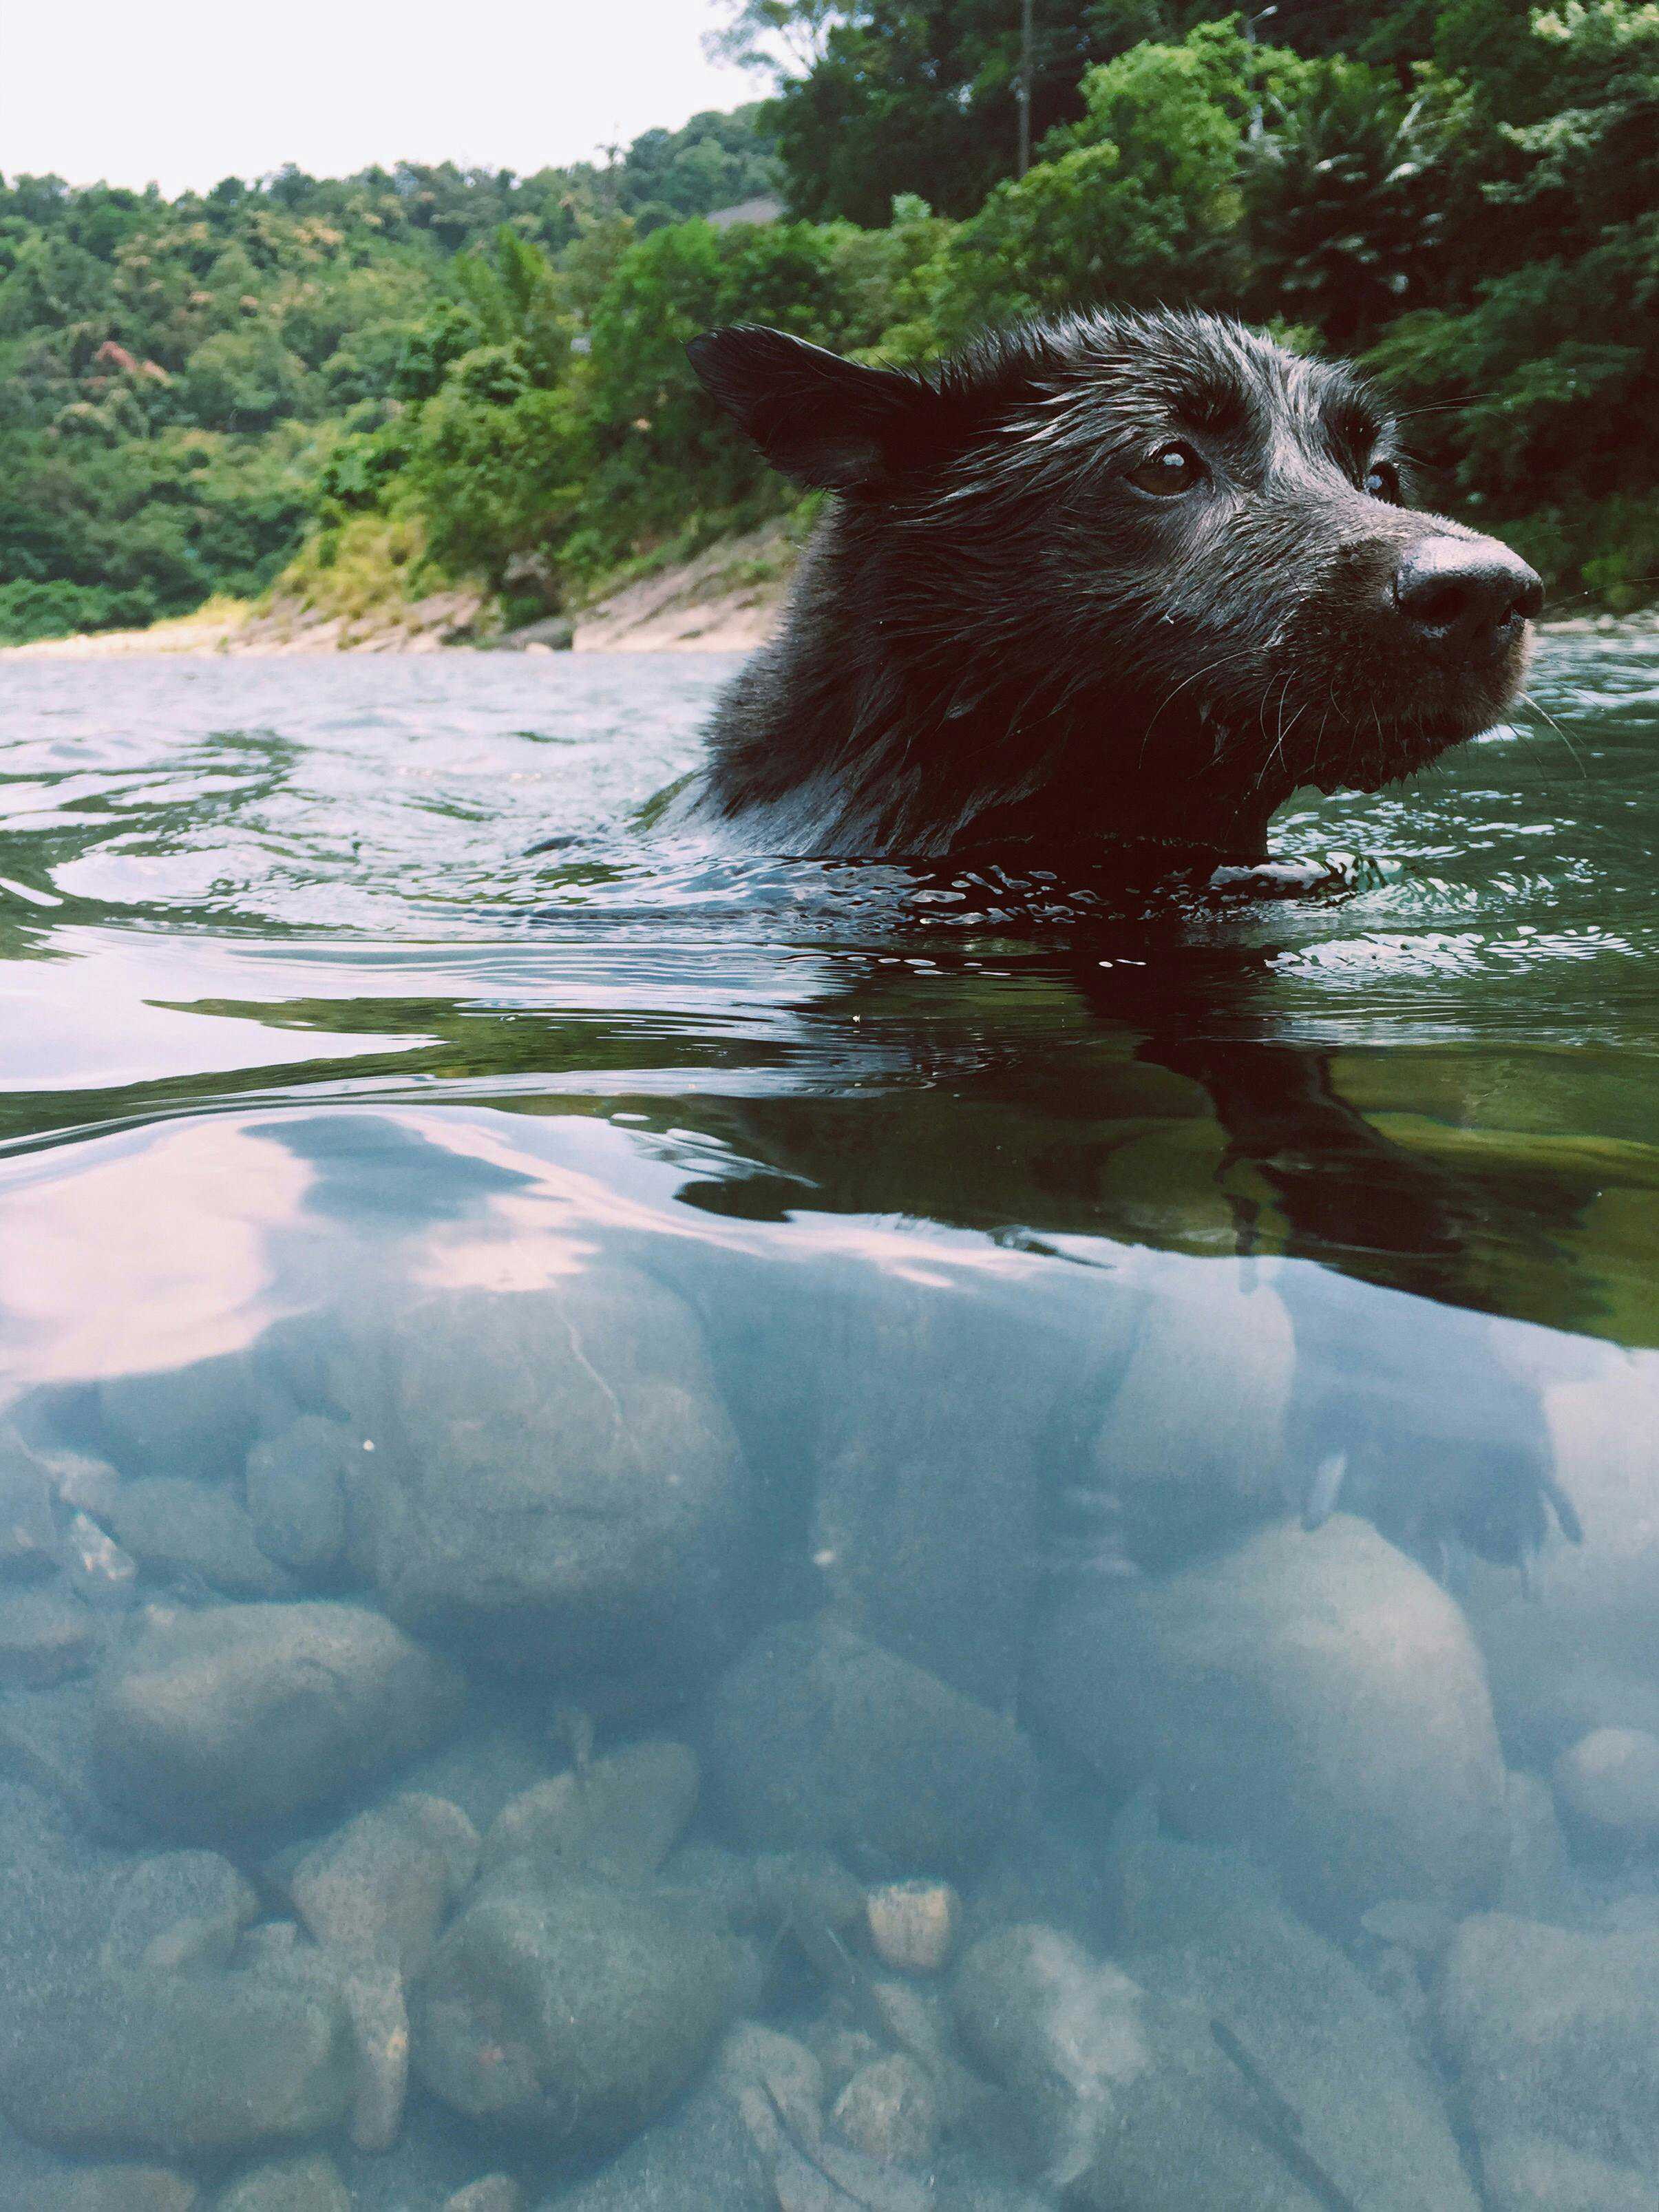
(173, 372)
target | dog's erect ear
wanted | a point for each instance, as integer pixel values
(821, 419)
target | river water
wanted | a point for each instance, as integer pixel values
(706, 1532)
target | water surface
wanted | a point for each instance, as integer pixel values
(989, 1258)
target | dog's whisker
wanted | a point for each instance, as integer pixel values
(1555, 612)
(1224, 660)
(1530, 699)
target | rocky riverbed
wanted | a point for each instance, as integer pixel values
(423, 1801)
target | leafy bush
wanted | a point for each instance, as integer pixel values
(30, 611)
(1139, 202)
(1599, 553)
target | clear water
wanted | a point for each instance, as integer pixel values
(1216, 1339)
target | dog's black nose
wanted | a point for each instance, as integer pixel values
(1462, 591)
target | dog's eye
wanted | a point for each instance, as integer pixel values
(1172, 469)
(1383, 481)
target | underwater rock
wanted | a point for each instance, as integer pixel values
(1132, 2106)
(777, 2079)
(375, 1895)
(890, 2111)
(274, 1943)
(95, 1567)
(1313, 1694)
(483, 1768)
(1304, 2032)
(187, 1531)
(288, 2184)
(723, 1879)
(913, 2020)
(841, 2051)
(618, 1817)
(697, 2155)
(56, 1884)
(496, 2192)
(776, 2087)
(1150, 2098)
(296, 1495)
(84, 1484)
(1421, 1931)
(1553, 2031)
(179, 2064)
(47, 1738)
(913, 1924)
(441, 1823)
(28, 1531)
(114, 2189)
(377, 2005)
(381, 1886)
(555, 1484)
(1192, 1442)
(818, 1737)
(178, 1909)
(1608, 1787)
(1396, 1974)
(43, 1636)
(371, 1993)
(1570, 1649)
(1537, 1880)
(574, 2014)
(243, 1714)
(788, 1888)
(1067, 2034)
(1528, 2173)
(194, 1420)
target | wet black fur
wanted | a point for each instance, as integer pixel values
(997, 640)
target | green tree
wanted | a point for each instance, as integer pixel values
(653, 433)
(1350, 188)
(1539, 398)
(1594, 162)
(517, 299)
(918, 96)
(1139, 201)
(244, 379)
(495, 473)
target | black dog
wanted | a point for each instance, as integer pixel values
(1118, 578)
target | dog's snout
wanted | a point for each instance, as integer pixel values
(1464, 591)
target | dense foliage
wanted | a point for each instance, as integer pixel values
(173, 374)
(488, 371)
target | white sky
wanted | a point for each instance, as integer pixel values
(186, 92)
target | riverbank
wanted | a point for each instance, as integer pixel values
(725, 599)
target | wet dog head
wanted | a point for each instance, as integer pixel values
(1166, 570)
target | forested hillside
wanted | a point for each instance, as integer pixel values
(424, 374)
(174, 373)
